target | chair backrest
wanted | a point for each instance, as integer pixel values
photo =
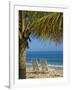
(35, 65)
(44, 65)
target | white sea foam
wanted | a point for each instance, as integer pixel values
(50, 66)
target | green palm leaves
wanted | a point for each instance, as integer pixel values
(48, 26)
(43, 25)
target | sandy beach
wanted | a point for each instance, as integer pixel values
(53, 72)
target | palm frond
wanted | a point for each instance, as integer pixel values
(48, 26)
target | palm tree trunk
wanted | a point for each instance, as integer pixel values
(22, 61)
(22, 50)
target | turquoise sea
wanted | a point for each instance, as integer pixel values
(52, 57)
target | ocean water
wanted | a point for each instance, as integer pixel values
(52, 57)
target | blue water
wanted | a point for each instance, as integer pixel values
(52, 57)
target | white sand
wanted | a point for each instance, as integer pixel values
(53, 71)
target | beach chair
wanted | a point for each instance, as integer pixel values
(35, 65)
(44, 65)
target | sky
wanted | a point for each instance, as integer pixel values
(38, 45)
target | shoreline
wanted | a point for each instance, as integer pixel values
(54, 66)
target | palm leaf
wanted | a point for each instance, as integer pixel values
(48, 26)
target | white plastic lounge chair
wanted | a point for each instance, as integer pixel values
(44, 65)
(35, 65)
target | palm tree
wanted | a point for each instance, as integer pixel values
(42, 25)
